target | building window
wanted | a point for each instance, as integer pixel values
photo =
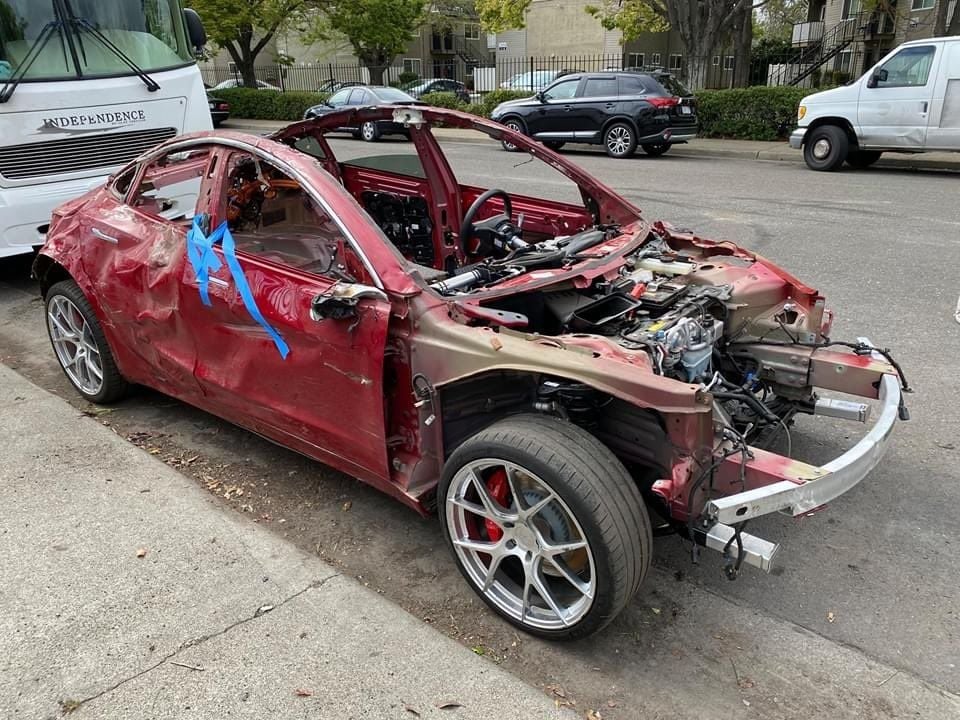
(412, 65)
(728, 62)
(852, 7)
(923, 4)
(636, 59)
(716, 60)
(655, 58)
(676, 61)
(471, 31)
(843, 61)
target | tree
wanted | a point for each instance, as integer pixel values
(940, 25)
(245, 27)
(377, 29)
(776, 19)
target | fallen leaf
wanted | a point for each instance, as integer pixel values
(478, 649)
(347, 505)
(303, 692)
(557, 690)
(263, 609)
(745, 683)
(594, 715)
(141, 552)
(747, 703)
(451, 705)
(831, 617)
(656, 611)
(611, 703)
(411, 710)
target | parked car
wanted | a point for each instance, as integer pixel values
(234, 83)
(541, 374)
(619, 110)
(908, 102)
(365, 96)
(423, 87)
(532, 81)
(219, 110)
(331, 86)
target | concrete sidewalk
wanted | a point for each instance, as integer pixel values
(701, 147)
(127, 593)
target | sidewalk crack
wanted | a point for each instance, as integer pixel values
(69, 706)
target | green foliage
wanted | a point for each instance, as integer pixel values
(377, 29)
(754, 113)
(631, 17)
(406, 78)
(500, 15)
(269, 104)
(840, 77)
(444, 100)
(476, 109)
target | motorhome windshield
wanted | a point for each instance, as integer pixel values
(52, 37)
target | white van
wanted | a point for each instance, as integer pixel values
(909, 102)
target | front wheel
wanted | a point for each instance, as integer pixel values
(826, 148)
(80, 345)
(546, 525)
(861, 159)
(619, 140)
(655, 149)
(516, 126)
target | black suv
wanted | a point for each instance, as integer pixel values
(619, 110)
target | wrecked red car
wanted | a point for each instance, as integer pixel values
(558, 381)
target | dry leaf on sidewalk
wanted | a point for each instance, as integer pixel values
(412, 710)
(302, 692)
(141, 552)
(451, 705)
(594, 715)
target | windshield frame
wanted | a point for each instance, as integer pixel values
(68, 32)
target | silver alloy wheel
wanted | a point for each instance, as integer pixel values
(515, 126)
(821, 148)
(75, 345)
(618, 140)
(540, 571)
(369, 131)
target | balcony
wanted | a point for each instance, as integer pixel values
(807, 33)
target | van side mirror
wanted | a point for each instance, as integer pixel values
(195, 30)
(879, 76)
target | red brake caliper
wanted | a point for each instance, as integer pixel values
(499, 489)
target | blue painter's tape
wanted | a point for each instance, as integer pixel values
(203, 259)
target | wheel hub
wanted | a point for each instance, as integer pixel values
(821, 148)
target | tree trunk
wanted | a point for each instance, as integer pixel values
(696, 71)
(940, 20)
(743, 40)
(376, 74)
(954, 27)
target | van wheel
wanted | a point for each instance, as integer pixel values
(826, 148)
(860, 159)
(545, 524)
(619, 140)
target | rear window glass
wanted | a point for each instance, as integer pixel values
(632, 85)
(673, 86)
(600, 87)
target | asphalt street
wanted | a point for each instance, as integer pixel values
(863, 620)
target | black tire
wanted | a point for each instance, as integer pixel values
(620, 140)
(554, 144)
(113, 386)
(826, 148)
(861, 159)
(369, 131)
(515, 124)
(655, 149)
(597, 491)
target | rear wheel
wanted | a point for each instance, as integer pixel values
(860, 159)
(619, 140)
(546, 525)
(655, 149)
(826, 148)
(80, 345)
(516, 126)
(369, 131)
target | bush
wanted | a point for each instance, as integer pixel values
(447, 100)
(405, 78)
(492, 99)
(475, 109)
(754, 113)
(269, 104)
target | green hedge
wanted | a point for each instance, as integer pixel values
(753, 113)
(269, 104)
(444, 100)
(492, 99)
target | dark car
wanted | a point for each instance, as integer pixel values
(365, 96)
(423, 87)
(619, 110)
(219, 110)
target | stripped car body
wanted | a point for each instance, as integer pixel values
(432, 312)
